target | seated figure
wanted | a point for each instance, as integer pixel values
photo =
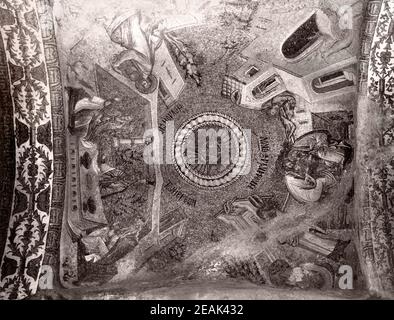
(315, 164)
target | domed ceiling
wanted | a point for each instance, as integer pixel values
(207, 140)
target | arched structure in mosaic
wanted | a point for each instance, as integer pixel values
(243, 140)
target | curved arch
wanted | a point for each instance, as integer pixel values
(302, 41)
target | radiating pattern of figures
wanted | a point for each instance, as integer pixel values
(193, 140)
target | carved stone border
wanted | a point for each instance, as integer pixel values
(44, 9)
(374, 156)
(33, 77)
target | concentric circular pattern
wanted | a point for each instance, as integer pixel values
(210, 150)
